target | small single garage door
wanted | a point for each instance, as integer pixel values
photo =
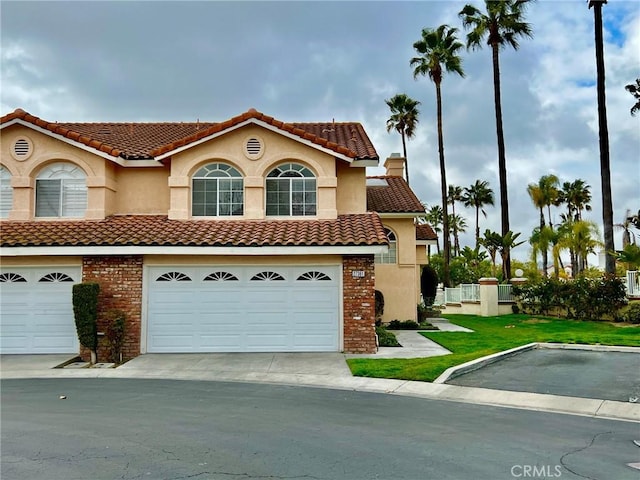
(243, 309)
(36, 311)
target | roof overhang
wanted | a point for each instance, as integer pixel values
(119, 160)
(69, 250)
(427, 242)
(401, 215)
(263, 124)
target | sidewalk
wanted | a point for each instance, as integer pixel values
(324, 370)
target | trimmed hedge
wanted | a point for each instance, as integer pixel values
(85, 312)
(583, 298)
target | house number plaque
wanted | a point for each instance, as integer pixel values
(357, 273)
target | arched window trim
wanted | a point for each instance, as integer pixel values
(217, 190)
(61, 191)
(6, 192)
(391, 256)
(291, 190)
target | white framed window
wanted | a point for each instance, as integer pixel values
(61, 191)
(392, 255)
(6, 192)
(217, 190)
(291, 191)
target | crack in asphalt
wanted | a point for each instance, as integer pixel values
(247, 475)
(581, 449)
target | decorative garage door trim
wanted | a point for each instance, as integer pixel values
(243, 308)
(37, 310)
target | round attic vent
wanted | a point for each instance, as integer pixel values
(22, 149)
(253, 148)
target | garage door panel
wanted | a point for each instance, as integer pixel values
(231, 312)
(37, 311)
(173, 343)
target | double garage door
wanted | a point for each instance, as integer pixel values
(36, 312)
(243, 309)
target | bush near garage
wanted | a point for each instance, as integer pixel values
(85, 313)
(386, 338)
(583, 298)
(115, 333)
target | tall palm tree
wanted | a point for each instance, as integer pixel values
(458, 225)
(577, 196)
(438, 53)
(403, 119)
(635, 91)
(582, 238)
(605, 165)
(434, 218)
(454, 195)
(541, 240)
(477, 196)
(502, 24)
(491, 241)
(544, 194)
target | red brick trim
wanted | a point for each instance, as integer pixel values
(120, 280)
(358, 283)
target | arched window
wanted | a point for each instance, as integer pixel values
(6, 192)
(291, 191)
(217, 191)
(392, 255)
(61, 191)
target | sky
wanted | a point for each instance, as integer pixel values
(336, 60)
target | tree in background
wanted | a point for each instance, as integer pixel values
(455, 195)
(478, 196)
(544, 194)
(458, 225)
(502, 24)
(438, 53)
(605, 164)
(507, 243)
(576, 195)
(434, 218)
(491, 241)
(634, 89)
(403, 119)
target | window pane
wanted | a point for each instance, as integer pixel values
(48, 198)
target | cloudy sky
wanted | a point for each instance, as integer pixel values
(318, 61)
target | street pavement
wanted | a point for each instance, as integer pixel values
(329, 370)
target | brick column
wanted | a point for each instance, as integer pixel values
(358, 282)
(120, 280)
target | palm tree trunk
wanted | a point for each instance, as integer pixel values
(502, 163)
(477, 226)
(605, 171)
(456, 243)
(406, 161)
(443, 186)
(545, 253)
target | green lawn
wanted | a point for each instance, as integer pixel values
(491, 335)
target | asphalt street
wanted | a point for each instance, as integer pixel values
(574, 373)
(167, 429)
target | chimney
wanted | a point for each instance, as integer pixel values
(394, 165)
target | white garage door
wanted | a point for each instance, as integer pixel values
(36, 311)
(243, 309)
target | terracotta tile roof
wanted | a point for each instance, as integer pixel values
(148, 140)
(156, 230)
(425, 232)
(395, 197)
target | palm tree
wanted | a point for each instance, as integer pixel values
(605, 166)
(541, 240)
(434, 218)
(627, 234)
(502, 24)
(508, 243)
(635, 91)
(458, 225)
(455, 195)
(491, 241)
(577, 196)
(544, 194)
(438, 50)
(582, 238)
(629, 257)
(403, 119)
(477, 196)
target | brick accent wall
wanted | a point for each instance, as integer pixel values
(359, 304)
(120, 280)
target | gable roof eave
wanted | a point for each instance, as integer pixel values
(82, 146)
(268, 126)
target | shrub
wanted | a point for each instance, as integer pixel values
(631, 313)
(405, 325)
(428, 284)
(85, 312)
(379, 306)
(386, 338)
(116, 324)
(584, 298)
